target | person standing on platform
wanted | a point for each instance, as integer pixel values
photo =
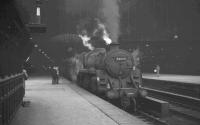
(25, 74)
(53, 75)
(158, 70)
(57, 75)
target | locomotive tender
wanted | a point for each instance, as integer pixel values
(112, 74)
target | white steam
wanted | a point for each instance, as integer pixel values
(136, 56)
(110, 13)
(105, 10)
(105, 35)
(86, 43)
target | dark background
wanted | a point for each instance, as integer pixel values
(166, 31)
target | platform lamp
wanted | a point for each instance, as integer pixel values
(38, 12)
(37, 26)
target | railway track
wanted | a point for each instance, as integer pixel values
(180, 101)
(185, 101)
(187, 89)
(151, 118)
(180, 105)
(139, 114)
(148, 117)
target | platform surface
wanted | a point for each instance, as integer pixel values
(67, 104)
(173, 78)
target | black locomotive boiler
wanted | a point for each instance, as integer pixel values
(112, 74)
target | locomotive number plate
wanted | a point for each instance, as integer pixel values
(120, 58)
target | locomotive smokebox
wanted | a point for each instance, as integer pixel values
(114, 46)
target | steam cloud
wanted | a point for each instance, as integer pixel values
(110, 13)
(104, 34)
(107, 11)
(86, 40)
(136, 56)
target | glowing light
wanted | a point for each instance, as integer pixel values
(147, 45)
(35, 45)
(85, 40)
(38, 11)
(176, 36)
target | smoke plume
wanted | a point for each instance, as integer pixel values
(136, 56)
(111, 16)
(86, 40)
(107, 11)
(101, 29)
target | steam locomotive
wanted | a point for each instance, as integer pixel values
(112, 74)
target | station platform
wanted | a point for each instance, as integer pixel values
(67, 104)
(173, 78)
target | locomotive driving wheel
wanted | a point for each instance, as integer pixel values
(85, 82)
(128, 103)
(93, 85)
(79, 80)
(125, 102)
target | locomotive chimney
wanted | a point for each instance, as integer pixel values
(113, 46)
